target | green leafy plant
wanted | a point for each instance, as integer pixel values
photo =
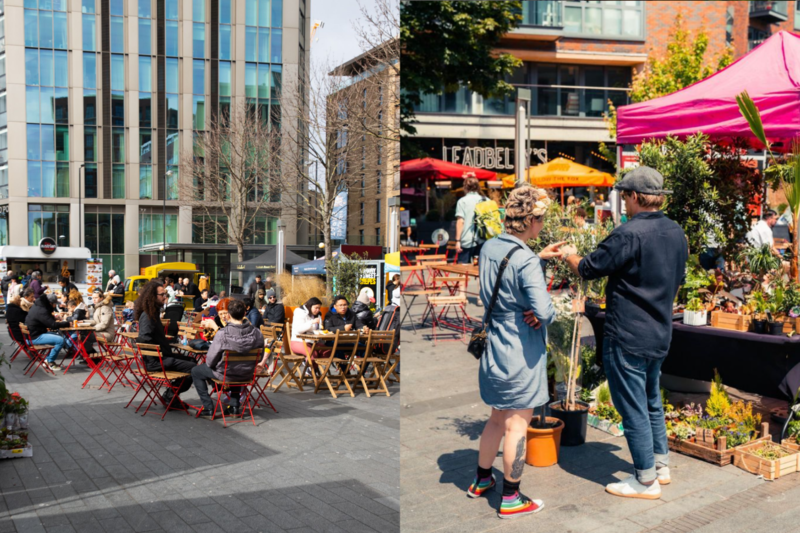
(759, 303)
(603, 394)
(680, 431)
(695, 305)
(734, 437)
(605, 411)
(760, 260)
(347, 273)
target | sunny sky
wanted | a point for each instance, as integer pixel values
(336, 40)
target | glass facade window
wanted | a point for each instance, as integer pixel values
(277, 13)
(90, 143)
(199, 10)
(145, 36)
(89, 33)
(105, 237)
(172, 110)
(145, 182)
(117, 72)
(117, 108)
(116, 7)
(602, 19)
(145, 74)
(275, 49)
(198, 39)
(145, 146)
(48, 221)
(145, 9)
(89, 70)
(171, 36)
(172, 75)
(145, 110)
(198, 112)
(225, 11)
(90, 107)
(87, 6)
(90, 180)
(118, 145)
(224, 41)
(198, 77)
(117, 34)
(224, 78)
(118, 181)
(171, 9)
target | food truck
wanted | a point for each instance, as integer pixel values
(172, 270)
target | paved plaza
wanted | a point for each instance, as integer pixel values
(318, 465)
(442, 417)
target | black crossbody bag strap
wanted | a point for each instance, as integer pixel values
(487, 317)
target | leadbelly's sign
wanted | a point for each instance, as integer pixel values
(488, 158)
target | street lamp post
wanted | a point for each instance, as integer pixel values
(80, 216)
(164, 219)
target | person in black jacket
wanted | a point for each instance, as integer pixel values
(253, 315)
(200, 301)
(274, 312)
(148, 312)
(392, 285)
(343, 319)
(16, 312)
(364, 316)
(66, 286)
(190, 287)
(39, 321)
(252, 289)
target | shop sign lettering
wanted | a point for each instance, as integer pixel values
(489, 158)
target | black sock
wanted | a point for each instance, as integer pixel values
(483, 473)
(510, 487)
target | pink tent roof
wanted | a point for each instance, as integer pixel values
(770, 74)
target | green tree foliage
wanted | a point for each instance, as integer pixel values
(711, 183)
(346, 273)
(446, 45)
(683, 64)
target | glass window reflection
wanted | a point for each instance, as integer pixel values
(145, 39)
(89, 33)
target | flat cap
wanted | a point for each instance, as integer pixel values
(644, 180)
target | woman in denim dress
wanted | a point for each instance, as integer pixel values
(513, 370)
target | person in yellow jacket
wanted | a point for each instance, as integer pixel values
(203, 285)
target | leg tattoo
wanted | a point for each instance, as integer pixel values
(519, 460)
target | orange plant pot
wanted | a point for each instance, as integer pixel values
(543, 444)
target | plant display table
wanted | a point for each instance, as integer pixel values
(750, 362)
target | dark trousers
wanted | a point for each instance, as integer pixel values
(200, 375)
(466, 255)
(179, 363)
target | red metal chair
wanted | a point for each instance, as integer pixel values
(220, 385)
(38, 353)
(158, 380)
(21, 348)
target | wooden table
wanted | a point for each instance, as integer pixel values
(461, 270)
(413, 293)
(197, 354)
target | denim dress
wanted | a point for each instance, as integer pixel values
(513, 370)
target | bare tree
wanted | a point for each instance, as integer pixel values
(226, 180)
(328, 152)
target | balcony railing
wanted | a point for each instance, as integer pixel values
(775, 11)
(547, 14)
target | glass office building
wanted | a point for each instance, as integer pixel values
(105, 97)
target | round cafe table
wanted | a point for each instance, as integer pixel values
(80, 349)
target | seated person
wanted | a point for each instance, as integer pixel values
(103, 317)
(343, 319)
(274, 312)
(253, 315)
(365, 318)
(17, 311)
(392, 285)
(200, 300)
(306, 319)
(238, 336)
(127, 313)
(147, 311)
(40, 322)
(74, 313)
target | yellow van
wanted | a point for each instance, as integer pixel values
(172, 270)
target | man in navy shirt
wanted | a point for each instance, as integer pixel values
(645, 262)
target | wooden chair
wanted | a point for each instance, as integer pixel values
(161, 379)
(376, 366)
(220, 385)
(342, 354)
(451, 283)
(445, 304)
(37, 352)
(291, 364)
(165, 322)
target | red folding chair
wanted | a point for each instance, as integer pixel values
(20, 346)
(38, 353)
(119, 367)
(259, 390)
(158, 380)
(220, 385)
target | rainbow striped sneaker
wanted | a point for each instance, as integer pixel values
(518, 505)
(480, 486)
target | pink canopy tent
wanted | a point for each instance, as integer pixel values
(770, 74)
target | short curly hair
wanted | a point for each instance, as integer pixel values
(525, 204)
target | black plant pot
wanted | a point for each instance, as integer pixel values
(775, 328)
(759, 326)
(575, 422)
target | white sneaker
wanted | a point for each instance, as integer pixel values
(663, 475)
(631, 488)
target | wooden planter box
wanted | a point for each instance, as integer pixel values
(762, 467)
(730, 321)
(718, 455)
(791, 444)
(605, 425)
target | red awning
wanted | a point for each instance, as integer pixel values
(436, 169)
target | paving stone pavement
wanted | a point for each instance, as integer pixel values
(442, 418)
(319, 464)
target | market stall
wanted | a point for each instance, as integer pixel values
(264, 265)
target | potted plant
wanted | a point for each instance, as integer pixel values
(603, 415)
(543, 440)
(760, 306)
(695, 313)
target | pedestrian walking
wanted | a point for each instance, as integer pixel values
(645, 262)
(513, 368)
(468, 242)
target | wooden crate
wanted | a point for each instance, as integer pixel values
(730, 321)
(719, 456)
(791, 444)
(762, 467)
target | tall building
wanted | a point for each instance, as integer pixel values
(105, 97)
(373, 162)
(577, 56)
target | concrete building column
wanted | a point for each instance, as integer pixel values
(131, 239)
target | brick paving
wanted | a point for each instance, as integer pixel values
(442, 417)
(319, 464)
